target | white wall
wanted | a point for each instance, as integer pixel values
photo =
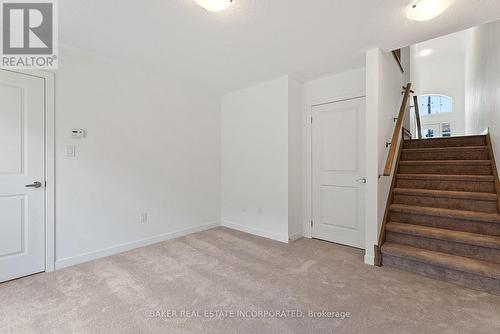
(255, 159)
(442, 72)
(335, 87)
(265, 140)
(483, 82)
(153, 146)
(383, 100)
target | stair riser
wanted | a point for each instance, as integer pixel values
(446, 203)
(483, 187)
(479, 227)
(446, 142)
(446, 169)
(446, 155)
(453, 276)
(449, 247)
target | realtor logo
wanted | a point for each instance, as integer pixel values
(29, 34)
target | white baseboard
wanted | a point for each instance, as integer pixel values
(74, 260)
(260, 233)
(70, 261)
(370, 259)
(296, 236)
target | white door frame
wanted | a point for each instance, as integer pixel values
(308, 168)
(49, 161)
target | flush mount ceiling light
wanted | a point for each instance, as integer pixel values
(214, 5)
(425, 10)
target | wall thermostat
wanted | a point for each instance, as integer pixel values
(77, 133)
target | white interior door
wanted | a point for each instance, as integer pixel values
(338, 153)
(22, 237)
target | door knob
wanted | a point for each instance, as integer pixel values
(363, 180)
(34, 185)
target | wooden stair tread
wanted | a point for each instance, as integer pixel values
(446, 149)
(445, 162)
(447, 213)
(446, 139)
(454, 262)
(447, 194)
(475, 239)
(444, 177)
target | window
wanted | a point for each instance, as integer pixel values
(431, 131)
(434, 104)
(436, 130)
(445, 129)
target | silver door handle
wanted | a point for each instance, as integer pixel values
(34, 185)
(363, 180)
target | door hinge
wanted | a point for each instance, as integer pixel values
(45, 184)
(311, 120)
(312, 223)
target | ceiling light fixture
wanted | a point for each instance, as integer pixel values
(425, 10)
(214, 5)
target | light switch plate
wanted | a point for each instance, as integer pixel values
(70, 151)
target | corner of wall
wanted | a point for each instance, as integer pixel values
(383, 98)
(372, 150)
(296, 149)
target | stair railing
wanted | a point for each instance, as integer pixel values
(417, 116)
(394, 150)
(398, 128)
(406, 134)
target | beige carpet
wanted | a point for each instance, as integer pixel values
(214, 274)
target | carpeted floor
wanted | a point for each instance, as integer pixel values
(223, 281)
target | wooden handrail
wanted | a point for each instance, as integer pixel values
(417, 116)
(390, 200)
(397, 129)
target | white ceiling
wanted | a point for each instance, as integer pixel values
(254, 40)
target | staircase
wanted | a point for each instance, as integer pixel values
(442, 219)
